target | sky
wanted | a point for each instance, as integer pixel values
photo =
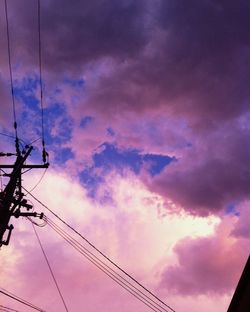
(146, 122)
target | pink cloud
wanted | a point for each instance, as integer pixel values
(127, 231)
(210, 265)
(241, 229)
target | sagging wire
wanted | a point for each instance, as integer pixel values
(37, 224)
(34, 141)
(39, 181)
(50, 268)
(115, 276)
(4, 308)
(13, 137)
(159, 301)
(24, 302)
(43, 224)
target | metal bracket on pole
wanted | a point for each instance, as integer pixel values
(6, 242)
(11, 198)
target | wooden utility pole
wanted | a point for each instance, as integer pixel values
(12, 199)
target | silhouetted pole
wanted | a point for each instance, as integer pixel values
(12, 198)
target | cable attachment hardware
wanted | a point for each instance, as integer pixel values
(17, 147)
(45, 155)
(6, 242)
(7, 154)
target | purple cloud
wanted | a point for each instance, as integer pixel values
(209, 265)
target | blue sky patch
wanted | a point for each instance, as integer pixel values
(157, 162)
(110, 157)
(25, 92)
(113, 158)
(75, 83)
(58, 125)
(53, 114)
(110, 131)
(62, 155)
(91, 180)
(86, 121)
(232, 209)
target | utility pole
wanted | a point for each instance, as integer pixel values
(12, 201)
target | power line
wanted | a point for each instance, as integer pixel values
(37, 224)
(13, 137)
(127, 283)
(108, 273)
(7, 135)
(132, 289)
(50, 268)
(105, 268)
(3, 308)
(109, 260)
(35, 140)
(6, 309)
(10, 70)
(24, 302)
(39, 181)
(44, 154)
(101, 253)
(10, 293)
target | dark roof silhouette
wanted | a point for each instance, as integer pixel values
(241, 298)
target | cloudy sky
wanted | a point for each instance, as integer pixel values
(146, 120)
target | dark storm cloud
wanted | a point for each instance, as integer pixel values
(209, 41)
(198, 64)
(188, 59)
(212, 176)
(197, 67)
(190, 56)
(88, 30)
(209, 26)
(75, 33)
(5, 104)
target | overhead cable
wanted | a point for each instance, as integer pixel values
(10, 70)
(3, 308)
(50, 268)
(39, 181)
(7, 135)
(44, 153)
(101, 253)
(24, 302)
(132, 289)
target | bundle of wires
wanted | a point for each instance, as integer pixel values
(18, 299)
(118, 275)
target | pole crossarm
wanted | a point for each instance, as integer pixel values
(11, 198)
(44, 166)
